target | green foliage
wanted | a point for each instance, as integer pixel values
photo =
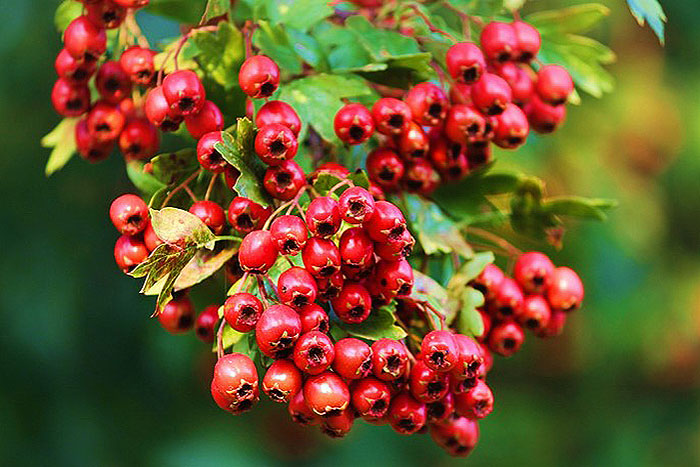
(220, 53)
(469, 299)
(649, 11)
(325, 181)
(203, 265)
(61, 140)
(186, 11)
(181, 228)
(66, 12)
(216, 8)
(381, 323)
(426, 289)
(145, 182)
(298, 14)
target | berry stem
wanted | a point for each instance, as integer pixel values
(220, 340)
(495, 239)
(210, 187)
(135, 30)
(284, 206)
(347, 181)
(189, 192)
(180, 187)
(261, 289)
(429, 23)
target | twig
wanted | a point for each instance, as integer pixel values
(220, 340)
(211, 186)
(495, 239)
(189, 192)
(284, 206)
(180, 187)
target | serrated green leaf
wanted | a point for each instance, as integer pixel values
(649, 11)
(66, 12)
(185, 11)
(573, 19)
(178, 227)
(221, 53)
(146, 183)
(203, 265)
(478, 7)
(299, 14)
(381, 323)
(273, 41)
(469, 321)
(216, 8)
(61, 140)
(169, 168)
(577, 206)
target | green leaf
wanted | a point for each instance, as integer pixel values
(178, 227)
(649, 11)
(216, 8)
(573, 19)
(380, 324)
(66, 12)
(577, 206)
(325, 181)
(61, 140)
(145, 182)
(426, 289)
(230, 338)
(299, 14)
(203, 265)
(273, 41)
(185, 11)
(469, 320)
(171, 168)
(469, 270)
(309, 49)
(246, 345)
(221, 53)
(478, 7)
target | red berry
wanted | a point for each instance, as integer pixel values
(296, 288)
(499, 41)
(461, 93)
(441, 410)
(555, 325)
(84, 41)
(242, 311)
(139, 139)
(323, 217)
(245, 215)
(353, 304)
(554, 84)
(386, 223)
(231, 175)
(300, 412)
(235, 382)
(313, 352)
(488, 281)
(338, 425)
(314, 318)
(284, 181)
(205, 325)
(396, 249)
(105, 122)
(158, 111)
(112, 82)
(486, 321)
(105, 14)
(356, 249)
(208, 156)
(465, 62)
(132, 3)
(150, 238)
(129, 252)
(458, 436)
(211, 214)
(208, 119)
(395, 277)
(413, 143)
(329, 287)
(391, 116)
(519, 80)
(464, 123)
(491, 94)
(470, 360)
(353, 358)
(506, 338)
(536, 313)
(421, 177)
(533, 271)
(89, 149)
(544, 118)
(428, 385)
(508, 300)
(440, 350)
(277, 331)
(326, 394)
(259, 76)
(275, 144)
(353, 124)
(70, 100)
(389, 359)
(356, 205)
(137, 62)
(385, 168)
(406, 415)
(278, 112)
(73, 70)
(321, 257)
(370, 397)
(477, 403)
(512, 128)
(177, 316)
(129, 214)
(257, 252)
(184, 92)
(565, 290)
(282, 381)
(428, 104)
(528, 41)
(289, 233)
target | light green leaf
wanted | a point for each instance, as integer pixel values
(469, 320)
(216, 8)
(66, 12)
(649, 11)
(61, 140)
(145, 182)
(181, 228)
(203, 265)
(299, 14)
(273, 41)
(221, 53)
(426, 289)
(573, 19)
(577, 206)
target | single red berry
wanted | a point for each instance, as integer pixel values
(231, 175)
(208, 119)
(177, 316)
(89, 149)
(331, 168)
(300, 412)
(129, 214)
(137, 62)
(529, 41)
(499, 41)
(428, 385)
(554, 84)
(139, 139)
(205, 324)
(321, 257)
(353, 358)
(464, 123)
(289, 233)
(105, 122)
(406, 414)
(458, 436)
(326, 394)
(389, 359)
(278, 112)
(129, 252)
(353, 304)
(211, 214)
(323, 217)
(488, 358)
(477, 403)
(236, 382)
(391, 116)
(444, 152)
(258, 252)
(544, 118)
(413, 143)
(488, 281)
(313, 352)
(440, 351)
(296, 287)
(385, 168)
(73, 70)
(158, 111)
(242, 311)
(356, 249)
(428, 104)
(284, 181)
(395, 277)
(520, 81)
(396, 249)
(277, 331)
(259, 76)
(112, 82)
(555, 325)
(387, 222)
(465, 62)
(132, 3)
(356, 205)
(353, 124)
(565, 290)
(508, 300)
(441, 410)
(536, 313)
(282, 381)
(150, 238)
(470, 360)
(184, 92)
(533, 271)
(275, 144)
(370, 397)
(245, 215)
(506, 338)
(478, 155)
(70, 100)
(338, 425)
(208, 156)
(84, 41)
(512, 128)
(105, 14)
(314, 318)
(491, 94)
(330, 286)
(421, 177)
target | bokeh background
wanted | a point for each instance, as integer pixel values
(87, 379)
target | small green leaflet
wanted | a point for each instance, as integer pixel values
(571, 20)
(651, 12)
(61, 140)
(172, 167)
(66, 12)
(426, 289)
(469, 320)
(578, 206)
(469, 270)
(469, 299)
(178, 227)
(325, 181)
(380, 324)
(145, 182)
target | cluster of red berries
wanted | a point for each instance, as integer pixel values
(431, 137)
(538, 297)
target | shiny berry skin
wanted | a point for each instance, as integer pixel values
(208, 156)
(184, 92)
(565, 290)
(296, 288)
(70, 100)
(300, 412)
(129, 214)
(428, 104)
(90, 150)
(105, 122)
(139, 139)
(129, 252)
(355, 205)
(326, 394)
(386, 223)
(236, 382)
(555, 325)
(323, 217)
(544, 118)
(177, 316)
(440, 351)
(488, 281)
(520, 81)
(353, 124)
(353, 304)
(535, 314)
(257, 252)
(332, 168)
(554, 84)
(245, 215)
(389, 359)
(259, 76)
(385, 168)
(242, 311)
(491, 94)
(150, 238)
(465, 62)
(84, 41)
(314, 318)
(329, 287)
(353, 358)
(406, 415)
(211, 214)
(275, 144)
(470, 360)
(277, 331)
(508, 300)
(284, 181)
(421, 177)
(278, 112)
(532, 272)
(321, 257)
(231, 175)
(370, 397)
(338, 425)
(529, 41)
(112, 82)
(441, 410)
(356, 249)
(74, 71)
(205, 324)
(506, 338)
(208, 119)
(391, 116)
(512, 128)
(289, 233)
(413, 143)
(282, 381)
(137, 62)
(314, 352)
(158, 111)
(396, 249)
(477, 403)
(457, 436)
(499, 41)
(464, 123)
(426, 384)
(461, 93)
(395, 277)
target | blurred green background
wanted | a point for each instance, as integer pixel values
(88, 379)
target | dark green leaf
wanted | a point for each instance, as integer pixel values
(649, 11)
(172, 167)
(382, 44)
(66, 12)
(145, 182)
(221, 53)
(61, 140)
(576, 206)
(186, 11)
(573, 19)
(178, 227)
(478, 7)
(299, 14)
(381, 323)
(435, 231)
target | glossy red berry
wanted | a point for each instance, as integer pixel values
(427, 385)
(208, 156)
(386, 223)
(491, 94)
(284, 181)
(440, 351)
(245, 215)
(242, 311)
(441, 410)
(158, 111)
(314, 318)
(73, 70)
(465, 62)
(139, 139)
(544, 118)
(464, 123)
(353, 304)
(356, 249)
(289, 233)
(211, 214)
(208, 119)
(259, 76)
(428, 104)
(275, 144)
(296, 287)
(512, 128)
(395, 277)
(129, 252)
(421, 177)
(396, 249)
(105, 14)
(277, 331)
(532, 271)
(389, 359)
(470, 360)
(184, 92)
(105, 122)
(554, 84)
(112, 82)
(177, 316)
(477, 403)
(205, 324)
(129, 214)
(137, 62)
(555, 325)
(413, 143)
(353, 358)
(323, 217)
(370, 397)
(565, 290)
(506, 338)
(300, 412)
(520, 81)
(150, 238)
(278, 112)
(461, 93)
(235, 382)
(282, 381)
(88, 148)
(257, 252)
(353, 124)
(321, 257)
(406, 414)
(488, 281)
(329, 287)
(391, 116)
(355, 205)
(499, 41)
(326, 394)
(385, 168)
(84, 41)
(529, 41)
(70, 100)
(314, 352)
(458, 436)
(508, 299)
(536, 313)
(338, 425)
